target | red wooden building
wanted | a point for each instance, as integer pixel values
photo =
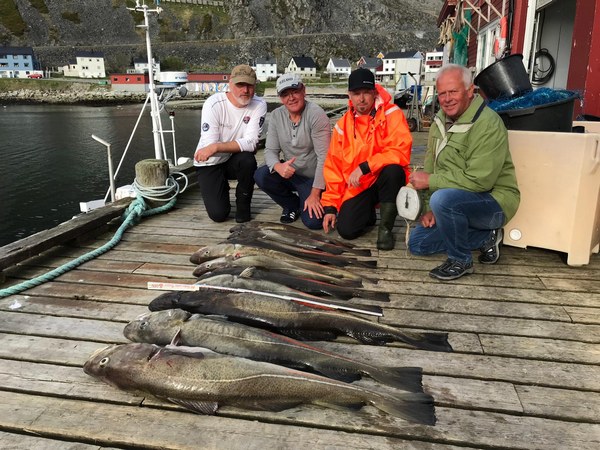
(559, 40)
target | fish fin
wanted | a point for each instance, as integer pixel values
(437, 342)
(209, 408)
(414, 407)
(359, 251)
(274, 405)
(338, 374)
(405, 378)
(248, 272)
(370, 263)
(176, 338)
(372, 295)
(309, 335)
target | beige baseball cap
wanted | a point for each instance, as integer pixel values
(243, 74)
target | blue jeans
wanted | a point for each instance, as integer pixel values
(463, 222)
(283, 192)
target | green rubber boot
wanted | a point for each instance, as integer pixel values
(385, 237)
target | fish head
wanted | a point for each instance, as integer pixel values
(115, 363)
(210, 252)
(211, 265)
(156, 327)
(168, 300)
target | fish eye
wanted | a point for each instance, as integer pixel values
(143, 324)
(104, 361)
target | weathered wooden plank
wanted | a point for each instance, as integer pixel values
(133, 426)
(584, 315)
(567, 284)
(61, 327)
(549, 349)
(88, 421)
(494, 325)
(578, 406)
(57, 306)
(23, 441)
(106, 293)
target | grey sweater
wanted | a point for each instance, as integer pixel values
(308, 142)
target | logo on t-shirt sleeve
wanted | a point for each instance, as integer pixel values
(262, 121)
(205, 126)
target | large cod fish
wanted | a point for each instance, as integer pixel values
(295, 320)
(204, 381)
(222, 336)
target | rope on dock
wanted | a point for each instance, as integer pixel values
(136, 210)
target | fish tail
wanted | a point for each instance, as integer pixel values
(405, 378)
(437, 342)
(414, 407)
(379, 296)
(360, 251)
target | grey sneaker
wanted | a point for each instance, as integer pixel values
(451, 270)
(490, 252)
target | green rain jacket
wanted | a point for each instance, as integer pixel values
(475, 157)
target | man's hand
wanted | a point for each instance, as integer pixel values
(354, 178)
(329, 222)
(313, 204)
(428, 219)
(202, 154)
(285, 169)
(419, 180)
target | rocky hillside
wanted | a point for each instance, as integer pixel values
(221, 34)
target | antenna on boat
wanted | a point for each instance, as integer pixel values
(154, 106)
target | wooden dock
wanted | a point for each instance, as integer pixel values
(525, 373)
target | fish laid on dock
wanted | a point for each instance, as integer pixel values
(280, 267)
(277, 258)
(292, 229)
(306, 285)
(295, 320)
(204, 381)
(222, 336)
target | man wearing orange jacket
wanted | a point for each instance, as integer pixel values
(367, 162)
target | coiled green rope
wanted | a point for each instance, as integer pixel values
(136, 210)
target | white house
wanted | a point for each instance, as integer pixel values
(140, 65)
(86, 65)
(338, 67)
(433, 63)
(266, 69)
(302, 65)
(397, 65)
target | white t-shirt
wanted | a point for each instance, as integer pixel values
(224, 122)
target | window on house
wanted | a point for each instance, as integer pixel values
(485, 45)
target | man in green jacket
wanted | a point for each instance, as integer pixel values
(469, 177)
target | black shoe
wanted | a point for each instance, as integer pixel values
(490, 252)
(289, 216)
(451, 270)
(242, 214)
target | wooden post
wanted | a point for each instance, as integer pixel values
(152, 173)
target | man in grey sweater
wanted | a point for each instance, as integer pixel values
(297, 142)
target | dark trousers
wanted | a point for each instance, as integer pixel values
(358, 213)
(214, 185)
(290, 193)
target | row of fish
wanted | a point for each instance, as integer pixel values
(221, 363)
(217, 347)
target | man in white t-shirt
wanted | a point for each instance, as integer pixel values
(231, 126)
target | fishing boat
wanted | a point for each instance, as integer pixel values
(525, 332)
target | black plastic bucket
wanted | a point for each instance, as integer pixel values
(505, 78)
(555, 116)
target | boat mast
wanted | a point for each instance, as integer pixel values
(154, 107)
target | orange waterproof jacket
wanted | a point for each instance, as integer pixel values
(371, 142)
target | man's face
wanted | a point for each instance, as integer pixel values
(241, 93)
(293, 99)
(454, 98)
(363, 100)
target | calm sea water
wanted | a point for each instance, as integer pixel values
(49, 161)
